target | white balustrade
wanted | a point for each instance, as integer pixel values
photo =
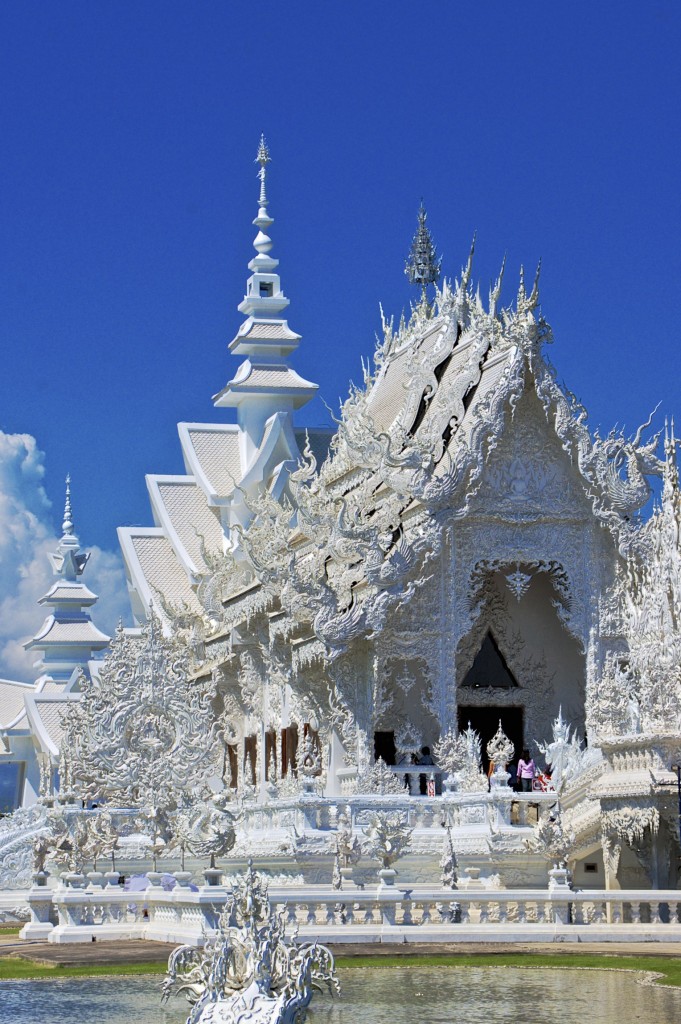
(419, 914)
(503, 808)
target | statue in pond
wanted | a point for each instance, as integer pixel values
(250, 973)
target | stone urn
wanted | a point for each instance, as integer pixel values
(387, 876)
(74, 879)
(40, 878)
(154, 877)
(183, 878)
(450, 783)
(213, 876)
(559, 877)
(96, 879)
(112, 877)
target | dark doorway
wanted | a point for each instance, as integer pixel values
(485, 721)
(384, 746)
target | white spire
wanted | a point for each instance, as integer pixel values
(264, 384)
(68, 562)
(262, 242)
(67, 525)
(263, 158)
(68, 638)
(264, 296)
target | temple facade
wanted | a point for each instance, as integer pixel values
(457, 572)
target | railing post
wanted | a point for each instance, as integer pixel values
(40, 906)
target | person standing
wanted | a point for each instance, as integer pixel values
(527, 770)
(425, 758)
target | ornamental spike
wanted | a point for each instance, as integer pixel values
(67, 525)
(495, 290)
(263, 158)
(534, 295)
(423, 265)
(466, 273)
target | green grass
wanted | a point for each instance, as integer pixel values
(12, 967)
(670, 968)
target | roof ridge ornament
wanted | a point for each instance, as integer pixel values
(423, 265)
(495, 289)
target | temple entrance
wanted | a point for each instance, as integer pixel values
(485, 721)
(384, 746)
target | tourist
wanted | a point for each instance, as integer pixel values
(425, 758)
(526, 771)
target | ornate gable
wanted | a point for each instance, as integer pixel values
(529, 475)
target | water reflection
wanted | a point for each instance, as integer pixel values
(465, 995)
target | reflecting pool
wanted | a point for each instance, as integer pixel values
(401, 995)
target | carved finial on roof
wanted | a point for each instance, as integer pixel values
(67, 525)
(521, 288)
(671, 469)
(525, 301)
(263, 158)
(534, 294)
(495, 290)
(423, 264)
(466, 272)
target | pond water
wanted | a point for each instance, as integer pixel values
(401, 995)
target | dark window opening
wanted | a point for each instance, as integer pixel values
(266, 288)
(489, 668)
(384, 747)
(590, 868)
(289, 749)
(11, 783)
(232, 763)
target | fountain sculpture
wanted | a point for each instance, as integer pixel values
(250, 973)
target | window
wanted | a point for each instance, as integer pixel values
(590, 868)
(489, 669)
(266, 289)
(11, 781)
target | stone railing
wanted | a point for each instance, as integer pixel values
(500, 808)
(382, 915)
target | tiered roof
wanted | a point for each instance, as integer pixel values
(228, 463)
(68, 638)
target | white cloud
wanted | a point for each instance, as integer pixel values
(26, 536)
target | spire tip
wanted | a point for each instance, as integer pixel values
(67, 525)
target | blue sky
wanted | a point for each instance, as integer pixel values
(127, 190)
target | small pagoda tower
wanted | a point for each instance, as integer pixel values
(264, 384)
(68, 638)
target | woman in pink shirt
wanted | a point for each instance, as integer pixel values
(527, 770)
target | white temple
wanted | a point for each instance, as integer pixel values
(460, 564)
(67, 644)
